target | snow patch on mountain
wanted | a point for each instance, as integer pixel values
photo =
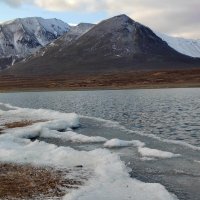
(188, 47)
(24, 36)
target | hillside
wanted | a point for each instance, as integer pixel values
(116, 53)
(24, 36)
(114, 45)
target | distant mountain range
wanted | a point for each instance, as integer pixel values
(118, 52)
(188, 47)
(22, 37)
(118, 44)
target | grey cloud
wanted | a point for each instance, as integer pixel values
(15, 3)
(177, 17)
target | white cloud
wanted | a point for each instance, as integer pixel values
(178, 17)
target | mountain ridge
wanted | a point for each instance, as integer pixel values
(116, 53)
(115, 44)
(190, 47)
(13, 50)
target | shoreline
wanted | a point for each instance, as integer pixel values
(109, 81)
(70, 89)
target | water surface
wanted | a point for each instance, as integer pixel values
(172, 115)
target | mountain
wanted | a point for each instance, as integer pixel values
(73, 34)
(24, 36)
(185, 46)
(118, 44)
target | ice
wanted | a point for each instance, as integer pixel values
(70, 136)
(114, 124)
(110, 181)
(19, 114)
(122, 143)
(155, 153)
(113, 182)
(182, 143)
(110, 178)
(50, 130)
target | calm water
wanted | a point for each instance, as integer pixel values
(168, 113)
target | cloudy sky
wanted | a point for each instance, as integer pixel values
(174, 17)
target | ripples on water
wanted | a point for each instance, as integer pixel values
(169, 113)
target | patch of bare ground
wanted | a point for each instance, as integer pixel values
(114, 80)
(21, 124)
(28, 182)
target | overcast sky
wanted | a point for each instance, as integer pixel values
(174, 17)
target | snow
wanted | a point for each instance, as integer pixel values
(109, 178)
(57, 119)
(113, 143)
(155, 153)
(188, 47)
(70, 136)
(113, 182)
(81, 28)
(24, 36)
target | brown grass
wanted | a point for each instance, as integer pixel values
(131, 79)
(20, 124)
(28, 182)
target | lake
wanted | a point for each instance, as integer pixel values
(163, 119)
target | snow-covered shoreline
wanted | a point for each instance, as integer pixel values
(108, 170)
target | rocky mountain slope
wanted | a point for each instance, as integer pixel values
(73, 34)
(115, 45)
(22, 37)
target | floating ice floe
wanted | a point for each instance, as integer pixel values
(155, 153)
(70, 136)
(113, 143)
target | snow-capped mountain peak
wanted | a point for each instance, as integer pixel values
(24, 36)
(188, 47)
